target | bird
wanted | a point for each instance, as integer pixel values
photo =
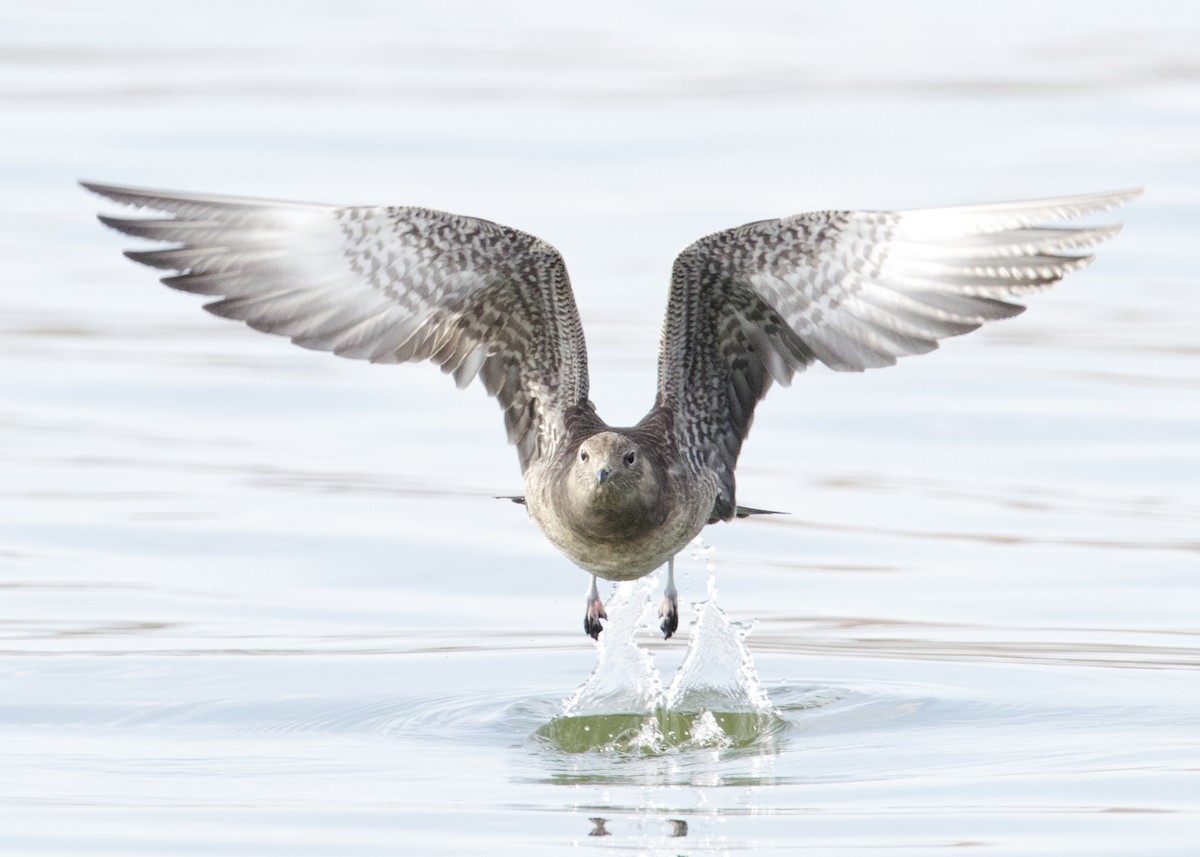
(747, 308)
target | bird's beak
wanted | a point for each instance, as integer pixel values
(602, 474)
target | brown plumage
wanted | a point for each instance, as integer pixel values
(748, 307)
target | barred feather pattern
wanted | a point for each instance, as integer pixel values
(751, 306)
(389, 285)
(748, 307)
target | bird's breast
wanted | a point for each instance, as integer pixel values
(619, 537)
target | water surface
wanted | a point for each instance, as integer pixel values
(257, 600)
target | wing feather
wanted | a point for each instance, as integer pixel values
(386, 284)
(854, 290)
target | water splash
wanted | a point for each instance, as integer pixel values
(717, 673)
(714, 701)
(625, 680)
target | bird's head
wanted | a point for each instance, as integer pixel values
(612, 475)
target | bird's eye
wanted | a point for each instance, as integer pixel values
(583, 455)
(630, 458)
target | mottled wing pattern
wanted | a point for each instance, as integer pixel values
(853, 290)
(384, 284)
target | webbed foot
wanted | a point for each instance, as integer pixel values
(594, 613)
(669, 608)
(669, 611)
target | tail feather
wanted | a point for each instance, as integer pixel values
(746, 512)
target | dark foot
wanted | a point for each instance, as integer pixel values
(593, 614)
(669, 611)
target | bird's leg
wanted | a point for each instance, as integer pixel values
(595, 612)
(669, 609)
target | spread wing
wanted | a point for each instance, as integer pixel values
(384, 284)
(852, 289)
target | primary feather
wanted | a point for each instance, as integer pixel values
(385, 284)
(854, 290)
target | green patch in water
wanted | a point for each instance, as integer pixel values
(660, 732)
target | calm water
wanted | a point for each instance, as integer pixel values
(255, 600)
